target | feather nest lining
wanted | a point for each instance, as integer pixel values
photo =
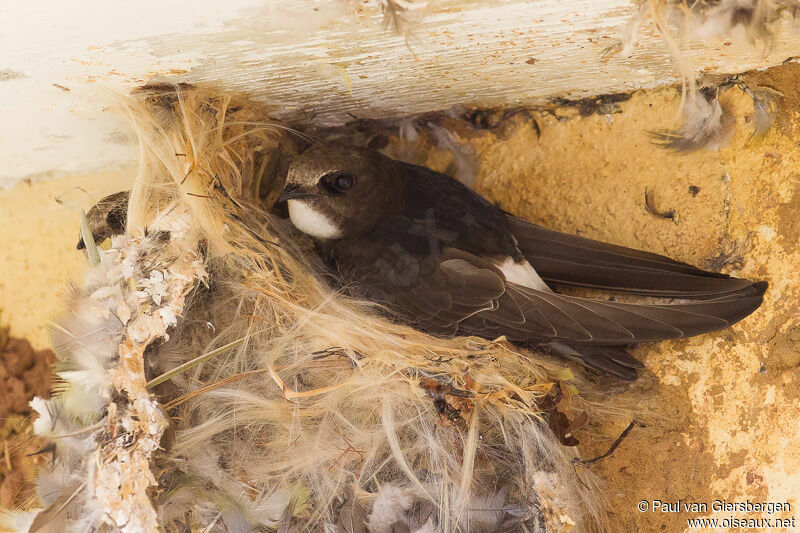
(705, 121)
(312, 412)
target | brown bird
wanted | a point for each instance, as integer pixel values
(107, 217)
(443, 259)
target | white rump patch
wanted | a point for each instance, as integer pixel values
(312, 222)
(521, 274)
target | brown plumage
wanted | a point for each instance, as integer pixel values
(440, 257)
(107, 217)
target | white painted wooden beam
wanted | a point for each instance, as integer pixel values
(324, 59)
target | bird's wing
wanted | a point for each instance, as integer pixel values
(565, 259)
(574, 320)
(458, 292)
(434, 284)
(435, 293)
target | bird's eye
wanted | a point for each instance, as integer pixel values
(340, 182)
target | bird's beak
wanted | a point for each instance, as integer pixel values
(291, 191)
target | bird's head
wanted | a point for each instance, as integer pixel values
(334, 191)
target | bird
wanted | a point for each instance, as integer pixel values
(444, 260)
(107, 217)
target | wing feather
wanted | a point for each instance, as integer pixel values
(584, 320)
(465, 292)
(565, 259)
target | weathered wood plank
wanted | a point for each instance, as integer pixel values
(324, 60)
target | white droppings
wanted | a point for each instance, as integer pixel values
(767, 232)
(769, 397)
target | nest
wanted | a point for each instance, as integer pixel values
(231, 388)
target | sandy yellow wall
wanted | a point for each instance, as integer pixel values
(38, 255)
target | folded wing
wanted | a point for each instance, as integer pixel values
(456, 292)
(466, 294)
(575, 320)
(565, 259)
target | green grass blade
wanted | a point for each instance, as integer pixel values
(194, 362)
(88, 240)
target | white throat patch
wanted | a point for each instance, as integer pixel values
(312, 222)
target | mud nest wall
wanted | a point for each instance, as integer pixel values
(24, 374)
